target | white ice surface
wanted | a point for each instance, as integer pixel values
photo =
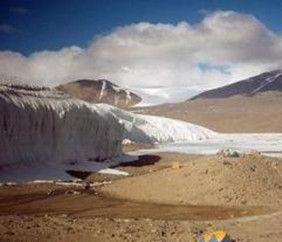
(43, 130)
(94, 167)
(268, 144)
(47, 126)
(155, 129)
(32, 171)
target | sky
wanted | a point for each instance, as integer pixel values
(140, 43)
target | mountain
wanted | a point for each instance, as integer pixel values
(100, 91)
(252, 105)
(267, 81)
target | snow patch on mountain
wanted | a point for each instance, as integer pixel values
(128, 96)
(267, 82)
(103, 87)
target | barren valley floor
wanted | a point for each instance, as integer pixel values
(157, 203)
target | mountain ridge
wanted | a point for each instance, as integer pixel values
(267, 81)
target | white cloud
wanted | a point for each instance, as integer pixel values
(147, 54)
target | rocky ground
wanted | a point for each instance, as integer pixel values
(154, 204)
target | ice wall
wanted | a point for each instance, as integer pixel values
(42, 125)
(154, 129)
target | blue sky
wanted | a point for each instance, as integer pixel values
(33, 25)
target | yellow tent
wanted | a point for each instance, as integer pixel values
(215, 236)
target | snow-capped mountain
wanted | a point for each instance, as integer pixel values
(100, 91)
(267, 81)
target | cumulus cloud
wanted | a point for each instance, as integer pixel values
(229, 45)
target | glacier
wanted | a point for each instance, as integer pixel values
(45, 132)
(158, 130)
(40, 125)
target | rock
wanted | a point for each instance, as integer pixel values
(254, 152)
(128, 142)
(9, 233)
(50, 192)
(175, 165)
(87, 186)
(72, 192)
(228, 153)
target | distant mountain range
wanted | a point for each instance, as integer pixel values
(100, 91)
(267, 81)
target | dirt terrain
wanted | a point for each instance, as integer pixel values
(252, 180)
(261, 113)
(112, 210)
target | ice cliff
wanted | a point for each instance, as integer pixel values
(153, 129)
(43, 125)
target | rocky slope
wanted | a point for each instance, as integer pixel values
(100, 91)
(268, 81)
